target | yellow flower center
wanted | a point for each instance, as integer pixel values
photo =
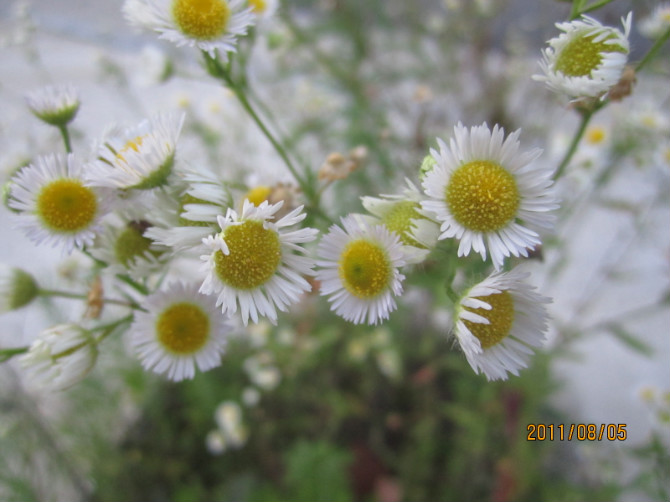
(501, 318)
(131, 244)
(595, 135)
(201, 19)
(399, 220)
(182, 328)
(364, 269)
(258, 194)
(581, 56)
(258, 6)
(253, 258)
(482, 196)
(66, 205)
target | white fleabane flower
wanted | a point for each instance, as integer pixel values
(140, 157)
(487, 194)
(56, 204)
(657, 23)
(124, 246)
(188, 214)
(587, 59)
(60, 357)
(209, 25)
(359, 270)
(499, 322)
(403, 215)
(54, 104)
(263, 9)
(17, 288)
(253, 261)
(180, 331)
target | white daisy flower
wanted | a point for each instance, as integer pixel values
(124, 246)
(181, 329)
(55, 105)
(17, 288)
(482, 189)
(253, 262)
(263, 9)
(185, 216)
(657, 23)
(499, 321)
(403, 215)
(61, 356)
(209, 25)
(587, 59)
(140, 157)
(56, 204)
(359, 270)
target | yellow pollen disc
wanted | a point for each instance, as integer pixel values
(399, 220)
(133, 144)
(258, 194)
(595, 135)
(66, 205)
(182, 328)
(581, 56)
(258, 6)
(501, 318)
(482, 196)
(364, 269)
(255, 255)
(201, 19)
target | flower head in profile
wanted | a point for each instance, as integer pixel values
(56, 204)
(187, 213)
(17, 288)
(587, 59)
(403, 215)
(359, 270)
(180, 330)
(54, 104)
(499, 323)
(125, 248)
(140, 157)
(209, 25)
(487, 194)
(657, 22)
(254, 262)
(60, 356)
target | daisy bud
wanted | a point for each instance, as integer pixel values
(55, 105)
(17, 288)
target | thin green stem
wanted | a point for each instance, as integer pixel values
(586, 117)
(108, 329)
(7, 354)
(217, 70)
(66, 137)
(82, 296)
(140, 288)
(654, 49)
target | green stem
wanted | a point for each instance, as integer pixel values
(140, 288)
(108, 329)
(654, 49)
(217, 70)
(7, 354)
(66, 137)
(82, 296)
(586, 117)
